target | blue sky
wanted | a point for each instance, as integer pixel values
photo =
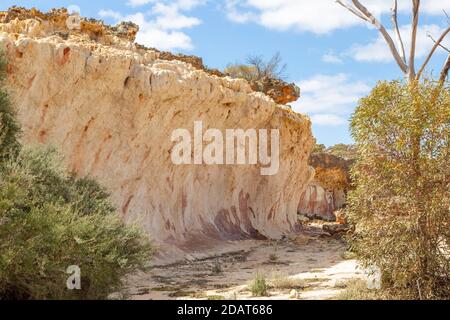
(333, 56)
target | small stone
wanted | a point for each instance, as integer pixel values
(116, 296)
(334, 228)
(301, 240)
(74, 22)
(303, 218)
(293, 294)
(340, 217)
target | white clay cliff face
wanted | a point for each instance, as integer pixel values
(111, 110)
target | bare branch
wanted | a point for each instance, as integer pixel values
(439, 44)
(273, 68)
(446, 14)
(385, 35)
(436, 45)
(445, 69)
(414, 23)
(397, 31)
(258, 63)
(352, 10)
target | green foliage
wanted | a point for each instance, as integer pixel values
(49, 221)
(216, 297)
(241, 71)
(217, 267)
(9, 128)
(345, 151)
(258, 286)
(400, 206)
(318, 148)
(284, 282)
(273, 257)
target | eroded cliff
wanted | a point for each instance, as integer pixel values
(326, 193)
(110, 107)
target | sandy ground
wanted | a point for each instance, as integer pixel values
(304, 267)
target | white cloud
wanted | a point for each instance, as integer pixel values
(435, 7)
(329, 99)
(236, 15)
(110, 14)
(328, 119)
(377, 50)
(181, 4)
(320, 16)
(330, 57)
(73, 8)
(165, 40)
(302, 15)
(137, 3)
(239, 17)
(188, 4)
(161, 26)
(430, 7)
(170, 18)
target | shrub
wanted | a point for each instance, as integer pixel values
(49, 221)
(283, 282)
(345, 151)
(241, 71)
(357, 290)
(400, 207)
(9, 128)
(273, 257)
(217, 267)
(318, 148)
(258, 286)
(256, 68)
(216, 297)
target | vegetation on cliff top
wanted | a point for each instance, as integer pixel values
(256, 68)
(50, 220)
(341, 150)
(266, 76)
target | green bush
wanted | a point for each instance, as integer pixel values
(217, 267)
(345, 151)
(258, 286)
(400, 206)
(241, 71)
(49, 221)
(318, 148)
(9, 128)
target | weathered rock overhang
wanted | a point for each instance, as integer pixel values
(111, 107)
